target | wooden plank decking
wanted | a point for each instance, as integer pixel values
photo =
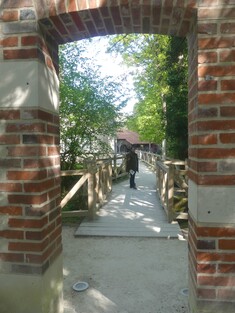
(132, 213)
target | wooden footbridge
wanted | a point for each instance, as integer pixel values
(132, 213)
(145, 212)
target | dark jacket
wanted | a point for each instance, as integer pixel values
(132, 162)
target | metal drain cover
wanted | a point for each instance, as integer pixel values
(80, 286)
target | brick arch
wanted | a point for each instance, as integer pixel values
(66, 23)
(74, 21)
(30, 196)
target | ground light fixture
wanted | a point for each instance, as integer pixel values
(80, 286)
(184, 292)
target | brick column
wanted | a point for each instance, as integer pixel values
(30, 220)
(212, 160)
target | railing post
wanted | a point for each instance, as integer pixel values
(101, 183)
(157, 179)
(170, 197)
(110, 175)
(115, 166)
(91, 169)
(98, 185)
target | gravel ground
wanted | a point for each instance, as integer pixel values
(125, 275)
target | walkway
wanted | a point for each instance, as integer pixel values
(132, 213)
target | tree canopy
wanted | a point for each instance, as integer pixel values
(161, 88)
(90, 105)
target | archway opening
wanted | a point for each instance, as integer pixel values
(101, 296)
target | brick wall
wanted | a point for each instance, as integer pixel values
(212, 266)
(212, 115)
(74, 20)
(211, 158)
(21, 38)
(31, 201)
(29, 153)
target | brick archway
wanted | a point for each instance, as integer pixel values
(66, 23)
(30, 189)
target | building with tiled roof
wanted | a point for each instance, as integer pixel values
(127, 138)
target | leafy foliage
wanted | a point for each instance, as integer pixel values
(161, 88)
(90, 106)
(176, 114)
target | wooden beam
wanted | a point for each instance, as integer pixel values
(74, 190)
(78, 213)
(73, 173)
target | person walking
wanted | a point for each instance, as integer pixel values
(132, 166)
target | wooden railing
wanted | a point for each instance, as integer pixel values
(172, 183)
(83, 176)
(149, 158)
(95, 182)
(119, 166)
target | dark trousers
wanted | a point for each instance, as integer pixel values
(132, 180)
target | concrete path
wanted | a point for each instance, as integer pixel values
(125, 274)
(122, 257)
(132, 213)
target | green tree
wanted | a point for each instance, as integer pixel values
(146, 53)
(89, 106)
(176, 114)
(161, 88)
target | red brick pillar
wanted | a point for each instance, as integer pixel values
(30, 220)
(212, 160)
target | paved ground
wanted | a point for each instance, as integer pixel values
(127, 273)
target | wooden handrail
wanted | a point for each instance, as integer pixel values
(165, 187)
(73, 191)
(99, 175)
(73, 172)
(168, 176)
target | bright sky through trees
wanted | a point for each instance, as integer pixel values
(110, 65)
